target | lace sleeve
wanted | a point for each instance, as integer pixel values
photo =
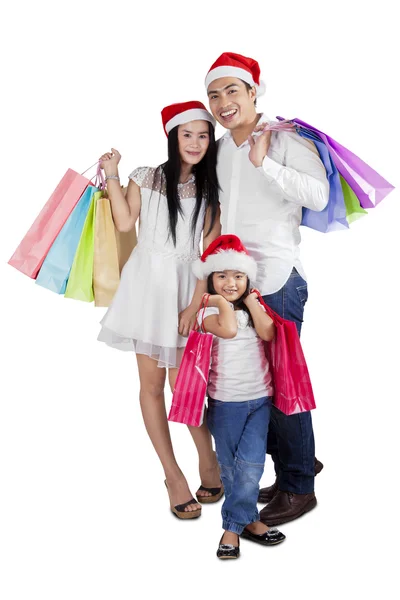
(140, 175)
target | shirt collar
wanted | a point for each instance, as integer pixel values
(228, 134)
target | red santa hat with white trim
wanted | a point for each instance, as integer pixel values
(230, 64)
(184, 112)
(225, 253)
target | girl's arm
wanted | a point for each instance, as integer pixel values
(223, 325)
(263, 323)
(125, 209)
(187, 316)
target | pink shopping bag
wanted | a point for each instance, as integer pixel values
(32, 250)
(188, 399)
(292, 383)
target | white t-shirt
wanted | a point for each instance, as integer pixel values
(239, 368)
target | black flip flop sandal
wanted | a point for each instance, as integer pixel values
(216, 494)
(180, 512)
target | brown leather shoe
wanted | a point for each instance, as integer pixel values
(266, 494)
(286, 506)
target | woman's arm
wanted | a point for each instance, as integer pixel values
(263, 323)
(125, 209)
(187, 316)
(224, 324)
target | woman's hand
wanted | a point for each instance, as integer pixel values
(109, 162)
(187, 320)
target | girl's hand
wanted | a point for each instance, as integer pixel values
(109, 162)
(214, 299)
(186, 319)
(250, 298)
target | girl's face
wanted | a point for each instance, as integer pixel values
(193, 140)
(231, 103)
(230, 284)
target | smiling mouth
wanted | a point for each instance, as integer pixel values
(230, 291)
(193, 153)
(227, 115)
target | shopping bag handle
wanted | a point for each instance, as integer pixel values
(99, 181)
(271, 313)
(204, 301)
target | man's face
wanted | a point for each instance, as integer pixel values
(231, 103)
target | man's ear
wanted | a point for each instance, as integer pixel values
(253, 93)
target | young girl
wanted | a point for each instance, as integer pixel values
(157, 299)
(240, 388)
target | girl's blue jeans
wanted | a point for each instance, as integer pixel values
(240, 431)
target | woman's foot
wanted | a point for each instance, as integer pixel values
(210, 477)
(262, 534)
(179, 493)
(229, 546)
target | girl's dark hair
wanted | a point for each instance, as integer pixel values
(205, 173)
(238, 304)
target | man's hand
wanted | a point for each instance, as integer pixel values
(259, 146)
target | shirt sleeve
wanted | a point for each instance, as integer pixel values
(303, 177)
(139, 175)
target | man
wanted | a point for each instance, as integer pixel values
(265, 181)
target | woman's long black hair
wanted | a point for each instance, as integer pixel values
(205, 173)
(238, 304)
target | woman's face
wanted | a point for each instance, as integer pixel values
(193, 140)
(230, 284)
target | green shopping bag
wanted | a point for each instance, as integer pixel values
(353, 209)
(80, 282)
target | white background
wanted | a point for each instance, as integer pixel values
(84, 511)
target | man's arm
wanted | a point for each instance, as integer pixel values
(302, 177)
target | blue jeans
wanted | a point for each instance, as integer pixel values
(240, 431)
(291, 438)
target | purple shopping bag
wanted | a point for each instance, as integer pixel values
(369, 187)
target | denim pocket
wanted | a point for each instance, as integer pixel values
(302, 291)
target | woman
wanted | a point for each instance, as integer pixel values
(158, 295)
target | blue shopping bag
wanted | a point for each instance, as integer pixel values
(56, 267)
(333, 217)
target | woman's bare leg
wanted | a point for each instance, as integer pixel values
(208, 464)
(152, 381)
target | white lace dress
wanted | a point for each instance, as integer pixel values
(157, 281)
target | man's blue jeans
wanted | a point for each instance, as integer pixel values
(240, 431)
(291, 438)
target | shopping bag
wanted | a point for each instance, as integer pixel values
(32, 250)
(112, 248)
(105, 259)
(353, 208)
(188, 399)
(333, 217)
(80, 282)
(292, 384)
(369, 187)
(56, 267)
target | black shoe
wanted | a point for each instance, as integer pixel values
(227, 551)
(269, 538)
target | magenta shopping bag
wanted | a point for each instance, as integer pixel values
(32, 250)
(189, 395)
(293, 391)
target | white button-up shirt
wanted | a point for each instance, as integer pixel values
(263, 206)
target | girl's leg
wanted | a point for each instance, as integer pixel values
(249, 466)
(226, 421)
(152, 381)
(208, 464)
